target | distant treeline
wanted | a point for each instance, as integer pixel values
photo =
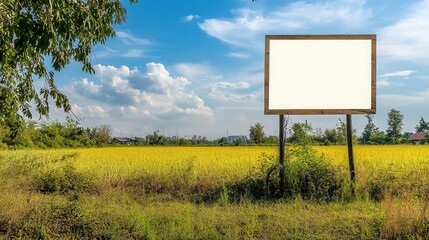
(70, 134)
(53, 135)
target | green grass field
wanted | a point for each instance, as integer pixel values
(213, 193)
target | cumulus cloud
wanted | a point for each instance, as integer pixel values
(228, 85)
(196, 71)
(404, 73)
(124, 91)
(189, 18)
(383, 83)
(231, 92)
(247, 28)
(412, 42)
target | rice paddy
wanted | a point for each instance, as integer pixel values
(182, 193)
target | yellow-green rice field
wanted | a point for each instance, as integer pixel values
(186, 193)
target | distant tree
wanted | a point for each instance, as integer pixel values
(423, 126)
(331, 136)
(394, 129)
(338, 135)
(319, 137)
(104, 133)
(272, 140)
(222, 141)
(369, 130)
(157, 139)
(238, 142)
(378, 138)
(257, 133)
(341, 132)
(301, 133)
(405, 137)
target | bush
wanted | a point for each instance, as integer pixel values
(62, 180)
(310, 176)
(307, 174)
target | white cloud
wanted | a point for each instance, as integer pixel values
(238, 55)
(120, 47)
(131, 39)
(231, 92)
(248, 27)
(228, 85)
(97, 110)
(383, 83)
(129, 92)
(404, 73)
(196, 71)
(189, 18)
(90, 86)
(409, 37)
(133, 53)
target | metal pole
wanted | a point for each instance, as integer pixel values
(350, 148)
(282, 154)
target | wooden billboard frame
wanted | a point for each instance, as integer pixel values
(268, 111)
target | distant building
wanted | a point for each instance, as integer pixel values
(419, 137)
(233, 139)
(123, 141)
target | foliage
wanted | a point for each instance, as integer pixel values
(423, 126)
(62, 179)
(394, 129)
(155, 139)
(369, 131)
(257, 133)
(185, 193)
(102, 133)
(60, 30)
(338, 135)
(301, 133)
(308, 176)
(378, 138)
(55, 135)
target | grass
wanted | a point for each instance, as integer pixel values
(185, 193)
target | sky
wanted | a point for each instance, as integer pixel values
(197, 67)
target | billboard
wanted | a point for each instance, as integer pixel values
(320, 74)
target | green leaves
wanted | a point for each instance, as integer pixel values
(65, 30)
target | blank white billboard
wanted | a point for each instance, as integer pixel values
(320, 74)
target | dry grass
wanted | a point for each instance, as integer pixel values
(151, 192)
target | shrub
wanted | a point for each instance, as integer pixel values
(307, 174)
(62, 179)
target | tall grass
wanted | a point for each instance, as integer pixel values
(188, 193)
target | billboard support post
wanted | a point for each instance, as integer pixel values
(282, 182)
(350, 150)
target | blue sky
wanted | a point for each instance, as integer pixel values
(197, 67)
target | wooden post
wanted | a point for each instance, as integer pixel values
(350, 148)
(282, 154)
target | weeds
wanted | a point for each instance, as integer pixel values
(308, 176)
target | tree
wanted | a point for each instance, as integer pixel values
(301, 133)
(422, 126)
(157, 139)
(257, 133)
(378, 138)
(369, 130)
(331, 136)
(61, 30)
(104, 133)
(394, 129)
